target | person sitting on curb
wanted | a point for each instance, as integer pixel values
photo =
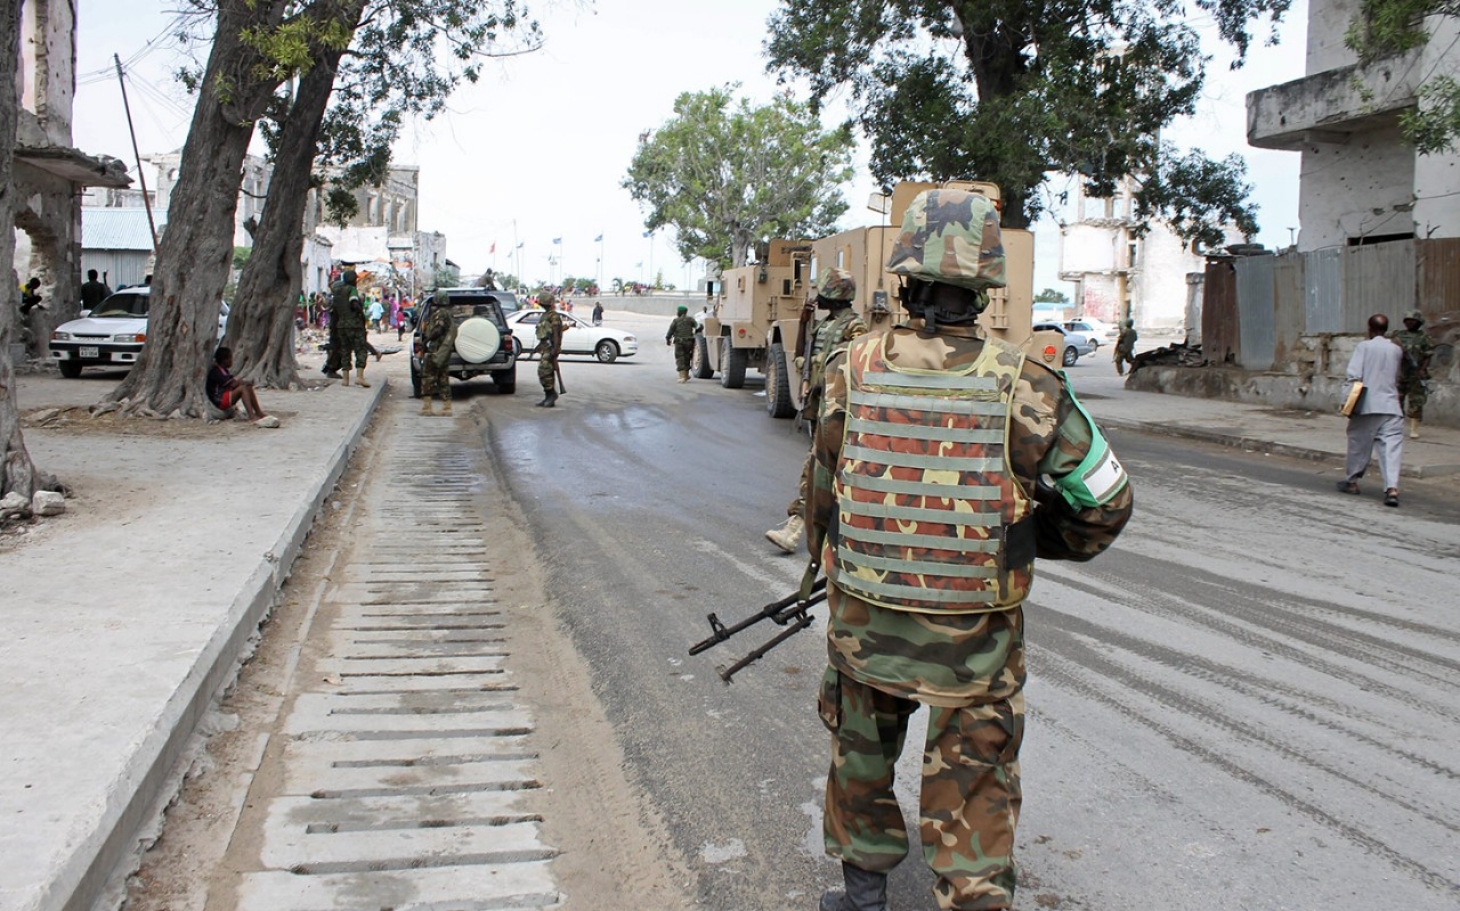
(226, 391)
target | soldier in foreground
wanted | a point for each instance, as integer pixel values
(841, 325)
(945, 462)
(681, 335)
(1414, 368)
(439, 333)
(549, 343)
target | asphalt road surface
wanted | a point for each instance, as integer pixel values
(1249, 702)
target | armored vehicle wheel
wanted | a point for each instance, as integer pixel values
(733, 362)
(70, 369)
(778, 384)
(699, 362)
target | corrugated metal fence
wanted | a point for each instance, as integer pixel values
(1256, 308)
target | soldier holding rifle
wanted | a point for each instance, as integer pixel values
(944, 463)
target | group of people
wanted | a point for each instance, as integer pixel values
(943, 462)
(1391, 371)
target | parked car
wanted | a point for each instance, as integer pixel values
(579, 337)
(484, 343)
(112, 335)
(1099, 331)
(1077, 344)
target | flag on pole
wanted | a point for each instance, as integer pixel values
(648, 233)
(493, 250)
(557, 240)
(598, 239)
(521, 245)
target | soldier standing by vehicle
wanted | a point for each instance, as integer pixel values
(681, 335)
(440, 335)
(841, 325)
(1414, 368)
(945, 462)
(1125, 347)
(549, 343)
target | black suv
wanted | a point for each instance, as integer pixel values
(483, 340)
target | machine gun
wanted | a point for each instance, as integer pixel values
(791, 611)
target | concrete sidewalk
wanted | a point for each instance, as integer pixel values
(1319, 436)
(125, 616)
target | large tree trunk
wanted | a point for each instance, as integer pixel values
(261, 326)
(17, 472)
(196, 253)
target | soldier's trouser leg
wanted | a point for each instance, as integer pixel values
(798, 505)
(1412, 398)
(683, 352)
(970, 796)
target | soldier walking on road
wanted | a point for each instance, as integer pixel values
(681, 335)
(439, 333)
(348, 314)
(831, 335)
(1414, 368)
(549, 343)
(1125, 347)
(945, 462)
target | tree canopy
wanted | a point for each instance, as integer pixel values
(725, 174)
(1012, 90)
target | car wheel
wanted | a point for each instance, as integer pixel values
(415, 381)
(733, 362)
(606, 352)
(1071, 355)
(777, 384)
(70, 369)
(506, 380)
(699, 362)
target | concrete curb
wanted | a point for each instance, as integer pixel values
(1254, 444)
(109, 853)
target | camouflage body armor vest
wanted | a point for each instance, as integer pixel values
(930, 517)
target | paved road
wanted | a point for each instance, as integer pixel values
(1252, 697)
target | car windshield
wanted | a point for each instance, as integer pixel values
(122, 305)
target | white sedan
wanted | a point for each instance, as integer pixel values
(579, 337)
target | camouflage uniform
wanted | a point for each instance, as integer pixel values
(985, 424)
(439, 332)
(1125, 347)
(347, 314)
(1414, 369)
(549, 339)
(682, 334)
(830, 336)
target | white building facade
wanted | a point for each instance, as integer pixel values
(1361, 183)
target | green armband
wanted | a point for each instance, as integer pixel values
(1099, 476)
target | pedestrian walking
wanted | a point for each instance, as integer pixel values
(1376, 421)
(598, 313)
(1125, 347)
(549, 344)
(932, 447)
(681, 334)
(831, 335)
(1414, 369)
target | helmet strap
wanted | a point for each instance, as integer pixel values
(938, 302)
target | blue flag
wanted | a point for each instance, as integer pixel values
(598, 239)
(648, 233)
(557, 240)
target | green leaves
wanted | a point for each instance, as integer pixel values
(725, 174)
(1010, 90)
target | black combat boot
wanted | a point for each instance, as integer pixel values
(551, 400)
(546, 398)
(865, 891)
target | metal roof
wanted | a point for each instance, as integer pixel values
(115, 229)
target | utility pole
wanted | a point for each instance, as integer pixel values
(141, 177)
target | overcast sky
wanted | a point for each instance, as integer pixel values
(537, 149)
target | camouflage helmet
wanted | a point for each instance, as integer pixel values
(349, 277)
(547, 298)
(950, 236)
(1414, 315)
(837, 286)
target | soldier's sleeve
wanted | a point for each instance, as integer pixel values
(826, 449)
(1051, 439)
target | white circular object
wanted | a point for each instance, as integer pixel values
(478, 340)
